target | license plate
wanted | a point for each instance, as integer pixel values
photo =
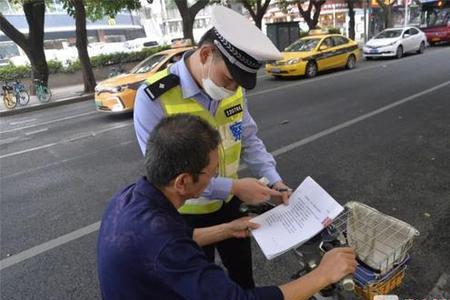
(275, 70)
(435, 39)
(373, 51)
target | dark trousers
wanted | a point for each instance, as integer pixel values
(235, 254)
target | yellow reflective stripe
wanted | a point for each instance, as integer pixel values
(236, 96)
(183, 108)
(233, 153)
(157, 76)
(199, 209)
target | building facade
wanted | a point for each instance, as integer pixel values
(59, 30)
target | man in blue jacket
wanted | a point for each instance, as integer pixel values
(145, 248)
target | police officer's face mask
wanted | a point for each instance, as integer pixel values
(216, 92)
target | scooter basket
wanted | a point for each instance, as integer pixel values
(380, 241)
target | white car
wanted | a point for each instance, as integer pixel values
(395, 42)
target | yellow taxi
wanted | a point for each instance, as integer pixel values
(116, 94)
(314, 53)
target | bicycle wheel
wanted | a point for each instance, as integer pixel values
(44, 94)
(10, 100)
(24, 98)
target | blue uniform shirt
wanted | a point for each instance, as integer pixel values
(148, 113)
(146, 251)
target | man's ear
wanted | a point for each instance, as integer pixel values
(205, 51)
(182, 183)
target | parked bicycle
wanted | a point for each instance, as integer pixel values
(43, 92)
(9, 97)
(20, 92)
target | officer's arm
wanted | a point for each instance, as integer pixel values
(260, 162)
(147, 114)
(254, 153)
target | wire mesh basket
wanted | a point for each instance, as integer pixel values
(380, 241)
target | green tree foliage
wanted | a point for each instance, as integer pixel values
(31, 43)
(93, 10)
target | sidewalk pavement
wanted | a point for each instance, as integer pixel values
(60, 96)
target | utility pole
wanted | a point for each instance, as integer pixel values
(406, 12)
(365, 19)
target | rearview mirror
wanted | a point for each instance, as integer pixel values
(323, 47)
(406, 35)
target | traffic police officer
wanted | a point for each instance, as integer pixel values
(210, 82)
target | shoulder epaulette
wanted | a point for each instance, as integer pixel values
(159, 87)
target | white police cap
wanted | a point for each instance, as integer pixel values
(243, 45)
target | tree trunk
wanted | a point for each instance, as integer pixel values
(188, 15)
(317, 7)
(306, 14)
(35, 13)
(388, 22)
(81, 44)
(188, 27)
(255, 14)
(351, 23)
(258, 20)
(33, 44)
(312, 22)
(387, 13)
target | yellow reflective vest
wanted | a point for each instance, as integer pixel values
(227, 120)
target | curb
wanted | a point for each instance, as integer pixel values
(60, 102)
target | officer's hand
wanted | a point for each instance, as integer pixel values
(336, 264)
(240, 228)
(252, 191)
(285, 192)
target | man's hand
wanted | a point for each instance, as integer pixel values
(240, 228)
(285, 192)
(252, 191)
(336, 264)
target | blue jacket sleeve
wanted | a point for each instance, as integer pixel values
(182, 265)
(147, 114)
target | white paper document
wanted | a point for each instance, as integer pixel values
(284, 227)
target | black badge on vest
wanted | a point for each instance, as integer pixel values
(159, 87)
(233, 110)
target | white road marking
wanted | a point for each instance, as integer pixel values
(24, 255)
(49, 122)
(36, 131)
(29, 253)
(69, 139)
(63, 161)
(22, 122)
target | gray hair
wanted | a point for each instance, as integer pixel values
(179, 144)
